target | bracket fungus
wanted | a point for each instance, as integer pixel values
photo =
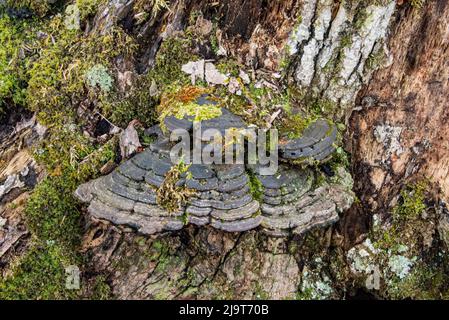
(220, 195)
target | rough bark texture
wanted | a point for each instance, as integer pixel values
(19, 173)
(399, 129)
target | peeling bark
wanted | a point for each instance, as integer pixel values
(383, 68)
(399, 131)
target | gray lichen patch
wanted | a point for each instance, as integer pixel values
(380, 267)
(315, 286)
(333, 49)
(389, 137)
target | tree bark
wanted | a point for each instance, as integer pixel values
(382, 70)
(398, 132)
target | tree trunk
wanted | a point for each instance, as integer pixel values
(398, 132)
(381, 70)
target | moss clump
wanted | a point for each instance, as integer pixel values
(295, 125)
(171, 196)
(198, 112)
(426, 281)
(173, 53)
(411, 203)
(40, 275)
(13, 36)
(165, 76)
(101, 289)
(139, 104)
(57, 74)
(255, 186)
(412, 258)
(88, 7)
(52, 212)
(407, 221)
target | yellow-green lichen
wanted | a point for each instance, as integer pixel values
(181, 103)
(88, 7)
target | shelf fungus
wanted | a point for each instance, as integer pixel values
(232, 197)
(317, 141)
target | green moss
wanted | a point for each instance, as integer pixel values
(52, 212)
(411, 234)
(295, 124)
(53, 217)
(255, 186)
(180, 102)
(335, 65)
(171, 196)
(40, 275)
(13, 36)
(38, 7)
(138, 105)
(424, 282)
(49, 87)
(52, 81)
(88, 7)
(300, 110)
(173, 53)
(255, 104)
(411, 203)
(305, 294)
(165, 76)
(57, 75)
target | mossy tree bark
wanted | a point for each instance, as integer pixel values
(398, 132)
(377, 67)
(333, 49)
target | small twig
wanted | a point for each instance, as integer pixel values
(273, 117)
